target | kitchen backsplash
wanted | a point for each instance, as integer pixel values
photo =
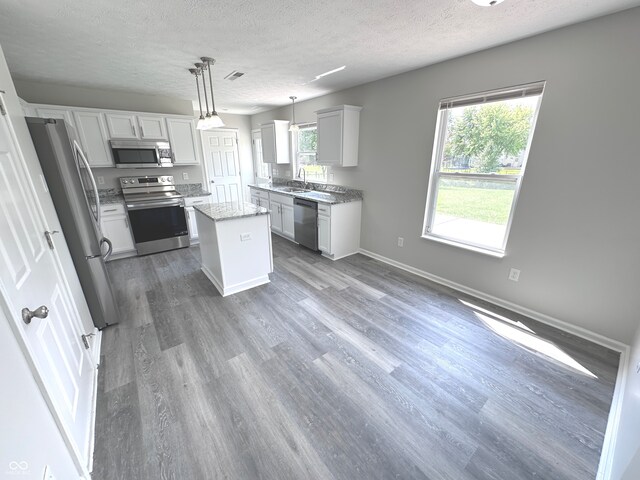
(111, 176)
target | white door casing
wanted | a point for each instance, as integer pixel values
(31, 275)
(261, 169)
(221, 165)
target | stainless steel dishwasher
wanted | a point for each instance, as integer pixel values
(306, 222)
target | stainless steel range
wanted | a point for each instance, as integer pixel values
(156, 213)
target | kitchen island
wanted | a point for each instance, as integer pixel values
(235, 245)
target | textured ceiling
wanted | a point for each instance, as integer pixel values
(147, 45)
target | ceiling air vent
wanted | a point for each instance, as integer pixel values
(234, 75)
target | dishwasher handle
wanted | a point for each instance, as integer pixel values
(305, 203)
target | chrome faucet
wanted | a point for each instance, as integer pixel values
(303, 176)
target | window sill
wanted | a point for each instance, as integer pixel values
(464, 246)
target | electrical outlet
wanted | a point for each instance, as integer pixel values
(245, 237)
(400, 242)
(185, 176)
(100, 180)
(514, 274)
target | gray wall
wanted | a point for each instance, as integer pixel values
(576, 232)
(75, 96)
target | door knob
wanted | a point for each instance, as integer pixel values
(40, 312)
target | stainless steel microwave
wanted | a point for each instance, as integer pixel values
(141, 154)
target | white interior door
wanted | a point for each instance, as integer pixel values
(30, 277)
(221, 165)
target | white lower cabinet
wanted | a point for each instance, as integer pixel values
(339, 229)
(288, 221)
(115, 226)
(324, 233)
(191, 216)
(338, 224)
(282, 219)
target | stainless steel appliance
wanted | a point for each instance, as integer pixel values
(141, 154)
(75, 197)
(305, 214)
(156, 213)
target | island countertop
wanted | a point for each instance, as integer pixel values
(219, 212)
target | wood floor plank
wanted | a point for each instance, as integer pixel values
(351, 369)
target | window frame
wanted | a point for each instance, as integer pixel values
(437, 157)
(296, 154)
(256, 150)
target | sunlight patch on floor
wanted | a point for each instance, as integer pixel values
(522, 335)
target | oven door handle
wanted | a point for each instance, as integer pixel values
(148, 205)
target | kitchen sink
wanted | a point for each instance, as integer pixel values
(291, 189)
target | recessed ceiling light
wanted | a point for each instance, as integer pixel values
(487, 3)
(335, 70)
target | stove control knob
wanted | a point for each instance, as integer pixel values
(125, 181)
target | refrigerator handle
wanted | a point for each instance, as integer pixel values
(106, 256)
(93, 181)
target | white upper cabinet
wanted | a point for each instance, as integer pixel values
(93, 137)
(152, 128)
(122, 125)
(183, 140)
(338, 131)
(275, 142)
(58, 113)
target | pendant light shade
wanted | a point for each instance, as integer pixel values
(294, 126)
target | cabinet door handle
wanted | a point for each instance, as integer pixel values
(133, 129)
(126, 222)
(141, 130)
(110, 210)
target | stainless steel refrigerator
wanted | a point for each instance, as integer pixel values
(75, 197)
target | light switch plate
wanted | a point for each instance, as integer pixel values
(100, 180)
(185, 176)
(245, 237)
(400, 242)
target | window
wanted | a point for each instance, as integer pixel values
(479, 157)
(261, 169)
(305, 147)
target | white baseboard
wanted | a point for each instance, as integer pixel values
(541, 317)
(239, 287)
(613, 423)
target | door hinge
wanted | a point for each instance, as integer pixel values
(3, 111)
(85, 339)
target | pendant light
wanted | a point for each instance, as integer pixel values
(207, 118)
(201, 121)
(214, 120)
(294, 126)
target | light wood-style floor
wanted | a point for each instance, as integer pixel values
(338, 370)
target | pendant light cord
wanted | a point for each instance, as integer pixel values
(213, 106)
(204, 87)
(198, 89)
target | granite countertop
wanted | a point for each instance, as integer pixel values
(329, 194)
(190, 190)
(109, 196)
(219, 212)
